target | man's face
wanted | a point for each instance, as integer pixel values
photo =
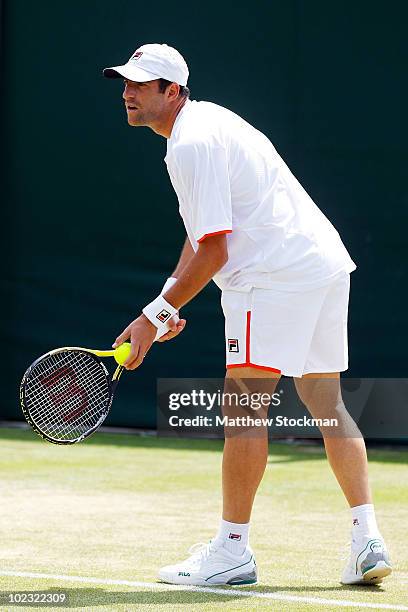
(145, 104)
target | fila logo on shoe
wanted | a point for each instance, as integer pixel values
(235, 536)
(376, 547)
(183, 574)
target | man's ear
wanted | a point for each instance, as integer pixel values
(173, 91)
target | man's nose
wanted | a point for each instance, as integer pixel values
(127, 92)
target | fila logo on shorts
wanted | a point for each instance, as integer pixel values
(163, 316)
(233, 346)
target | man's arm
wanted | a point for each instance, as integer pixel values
(185, 256)
(196, 271)
(176, 326)
(211, 256)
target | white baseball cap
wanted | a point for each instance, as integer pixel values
(150, 62)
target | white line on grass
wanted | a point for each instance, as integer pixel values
(341, 603)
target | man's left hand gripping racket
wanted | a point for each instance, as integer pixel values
(66, 394)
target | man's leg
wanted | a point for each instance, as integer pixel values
(346, 452)
(228, 559)
(245, 454)
(345, 447)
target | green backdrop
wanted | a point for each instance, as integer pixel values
(90, 221)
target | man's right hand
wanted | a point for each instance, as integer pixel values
(175, 329)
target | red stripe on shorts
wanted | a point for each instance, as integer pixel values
(248, 363)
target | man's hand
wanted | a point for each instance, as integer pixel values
(142, 334)
(175, 329)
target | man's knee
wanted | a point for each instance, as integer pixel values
(324, 402)
(247, 396)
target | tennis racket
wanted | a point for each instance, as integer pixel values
(66, 394)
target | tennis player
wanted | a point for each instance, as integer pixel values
(284, 274)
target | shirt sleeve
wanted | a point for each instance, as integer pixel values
(203, 172)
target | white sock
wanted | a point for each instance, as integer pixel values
(233, 536)
(364, 523)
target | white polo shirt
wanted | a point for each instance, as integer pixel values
(229, 179)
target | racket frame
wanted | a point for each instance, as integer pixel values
(112, 384)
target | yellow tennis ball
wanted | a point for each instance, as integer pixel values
(122, 352)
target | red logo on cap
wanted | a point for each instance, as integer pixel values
(137, 55)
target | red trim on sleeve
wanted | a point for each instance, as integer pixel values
(248, 363)
(214, 234)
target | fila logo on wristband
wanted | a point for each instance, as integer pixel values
(163, 316)
(159, 312)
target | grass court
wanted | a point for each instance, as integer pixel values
(96, 521)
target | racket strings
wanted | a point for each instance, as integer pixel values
(67, 394)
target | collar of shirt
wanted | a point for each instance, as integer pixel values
(178, 118)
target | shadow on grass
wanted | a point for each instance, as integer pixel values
(281, 451)
(84, 597)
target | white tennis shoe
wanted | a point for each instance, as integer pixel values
(211, 564)
(369, 563)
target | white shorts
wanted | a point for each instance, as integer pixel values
(292, 333)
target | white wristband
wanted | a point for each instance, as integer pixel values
(159, 312)
(169, 283)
